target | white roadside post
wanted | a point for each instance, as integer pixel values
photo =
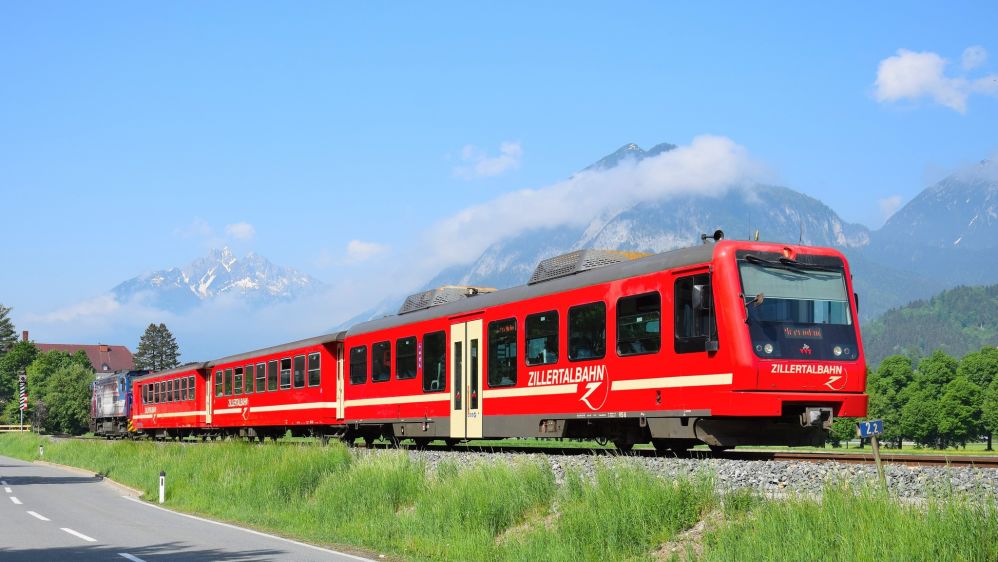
(41, 451)
(162, 486)
(871, 429)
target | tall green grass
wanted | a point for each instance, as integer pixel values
(389, 503)
(847, 524)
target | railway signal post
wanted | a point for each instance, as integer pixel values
(871, 429)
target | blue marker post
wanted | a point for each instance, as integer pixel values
(871, 429)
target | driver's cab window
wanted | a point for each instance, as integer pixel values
(694, 302)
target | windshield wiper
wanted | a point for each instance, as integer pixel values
(788, 264)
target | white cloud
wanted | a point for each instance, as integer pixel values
(974, 57)
(103, 305)
(358, 250)
(914, 75)
(198, 228)
(709, 165)
(890, 205)
(240, 231)
(479, 164)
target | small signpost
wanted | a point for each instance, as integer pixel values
(162, 486)
(870, 429)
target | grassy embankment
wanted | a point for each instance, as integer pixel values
(387, 503)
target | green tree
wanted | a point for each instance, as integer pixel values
(989, 406)
(960, 412)
(920, 415)
(157, 350)
(936, 371)
(8, 336)
(12, 364)
(981, 368)
(59, 391)
(886, 388)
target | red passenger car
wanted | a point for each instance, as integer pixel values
(170, 403)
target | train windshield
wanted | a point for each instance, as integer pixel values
(797, 310)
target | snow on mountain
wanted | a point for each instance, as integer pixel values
(253, 278)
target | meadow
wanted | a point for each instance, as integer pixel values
(390, 503)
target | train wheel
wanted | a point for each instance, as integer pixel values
(421, 444)
(623, 445)
(716, 449)
(451, 443)
(369, 441)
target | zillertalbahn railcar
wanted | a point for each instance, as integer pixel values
(728, 343)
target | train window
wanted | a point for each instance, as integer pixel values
(237, 381)
(358, 364)
(381, 361)
(285, 373)
(458, 368)
(145, 394)
(228, 382)
(587, 331)
(502, 353)
(161, 392)
(183, 389)
(171, 391)
(190, 387)
(261, 377)
(542, 338)
(152, 393)
(219, 382)
(694, 324)
(434, 362)
(405, 358)
(271, 375)
(639, 326)
(249, 379)
(313, 369)
(299, 371)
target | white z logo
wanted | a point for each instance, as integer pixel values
(831, 380)
(591, 387)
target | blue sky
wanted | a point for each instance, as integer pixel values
(328, 137)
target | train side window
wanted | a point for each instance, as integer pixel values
(261, 377)
(639, 324)
(435, 362)
(177, 396)
(405, 358)
(190, 387)
(587, 331)
(171, 390)
(272, 375)
(161, 392)
(285, 373)
(358, 364)
(228, 382)
(152, 393)
(502, 353)
(381, 361)
(237, 381)
(183, 389)
(299, 378)
(219, 382)
(694, 323)
(542, 338)
(249, 379)
(313, 369)
(145, 394)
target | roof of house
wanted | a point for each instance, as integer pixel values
(104, 358)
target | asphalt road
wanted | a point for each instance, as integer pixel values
(50, 514)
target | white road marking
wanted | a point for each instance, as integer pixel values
(250, 531)
(4, 482)
(38, 516)
(78, 534)
(130, 557)
(15, 500)
(8, 490)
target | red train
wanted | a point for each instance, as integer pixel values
(728, 343)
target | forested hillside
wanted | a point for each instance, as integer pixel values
(957, 322)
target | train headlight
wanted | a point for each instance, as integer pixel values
(768, 348)
(837, 351)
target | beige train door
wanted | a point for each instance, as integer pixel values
(466, 379)
(209, 389)
(340, 414)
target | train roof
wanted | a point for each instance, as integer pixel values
(641, 266)
(318, 340)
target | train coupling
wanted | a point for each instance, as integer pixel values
(817, 417)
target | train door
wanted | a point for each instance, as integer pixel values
(466, 379)
(208, 389)
(340, 414)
